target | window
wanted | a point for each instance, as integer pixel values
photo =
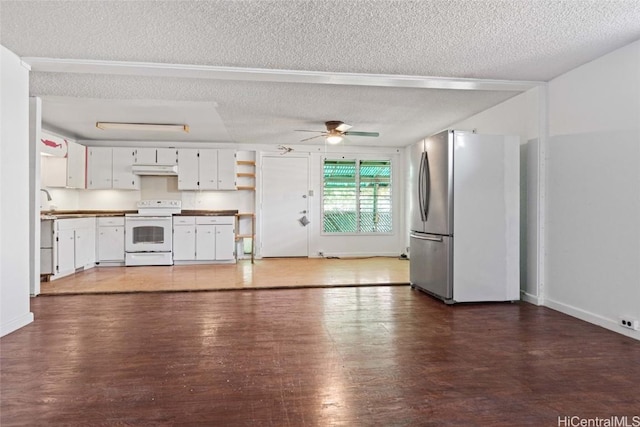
(357, 196)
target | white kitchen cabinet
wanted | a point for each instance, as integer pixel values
(166, 156)
(156, 156)
(227, 169)
(184, 238)
(85, 246)
(203, 238)
(110, 167)
(110, 241)
(188, 174)
(99, 167)
(74, 246)
(206, 169)
(65, 172)
(123, 176)
(66, 247)
(76, 165)
(206, 242)
(225, 243)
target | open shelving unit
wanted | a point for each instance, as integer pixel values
(247, 172)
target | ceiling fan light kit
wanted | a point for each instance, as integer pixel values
(334, 139)
(147, 127)
(336, 131)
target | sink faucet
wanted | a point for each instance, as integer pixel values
(47, 193)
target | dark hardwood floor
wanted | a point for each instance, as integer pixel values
(384, 355)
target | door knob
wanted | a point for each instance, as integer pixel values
(303, 212)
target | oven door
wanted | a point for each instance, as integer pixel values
(148, 234)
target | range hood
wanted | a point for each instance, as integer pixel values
(155, 169)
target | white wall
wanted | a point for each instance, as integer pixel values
(593, 227)
(357, 245)
(520, 116)
(35, 195)
(14, 193)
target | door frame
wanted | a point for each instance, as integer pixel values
(259, 194)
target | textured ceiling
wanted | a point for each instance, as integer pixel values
(515, 40)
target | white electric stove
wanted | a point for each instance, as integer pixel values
(148, 233)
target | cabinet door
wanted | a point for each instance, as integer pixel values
(85, 247)
(99, 167)
(225, 242)
(206, 242)
(184, 243)
(145, 156)
(208, 169)
(111, 243)
(226, 170)
(76, 165)
(66, 251)
(53, 171)
(166, 156)
(123, 177)
(187, 169)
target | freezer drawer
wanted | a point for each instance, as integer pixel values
(431, 264)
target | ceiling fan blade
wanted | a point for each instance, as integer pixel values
(307, 130)
(343, 127)
(363, 133)
(313, 137)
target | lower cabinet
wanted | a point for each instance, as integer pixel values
(203, 238)
(111, 241)
(74, 246)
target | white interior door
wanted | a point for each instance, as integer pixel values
(285, 189)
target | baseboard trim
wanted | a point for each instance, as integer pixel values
(531, 299)
(16, 324)
(595, 319)
(347, 255)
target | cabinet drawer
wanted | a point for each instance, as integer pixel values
(184, 220)
(215, 220)
(75, 223)
(110, 220)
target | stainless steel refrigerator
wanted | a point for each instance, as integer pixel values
(465, 217)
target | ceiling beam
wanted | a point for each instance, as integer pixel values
(151, 69)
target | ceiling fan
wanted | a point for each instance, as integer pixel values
(336, 131)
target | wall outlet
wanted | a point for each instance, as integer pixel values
(629, 323)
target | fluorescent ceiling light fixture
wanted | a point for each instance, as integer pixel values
(148, 127)
(334, 139)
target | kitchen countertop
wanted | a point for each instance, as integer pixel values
(50, 215)
(200, 212)
(81, 214)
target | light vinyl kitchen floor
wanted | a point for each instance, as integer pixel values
(265, 273)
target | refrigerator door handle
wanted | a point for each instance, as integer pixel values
(427, 189)
(426, 237)
(421, 188)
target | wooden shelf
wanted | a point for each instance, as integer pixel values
(249, 173)
(242, 236)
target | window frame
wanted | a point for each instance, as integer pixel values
(358, 159)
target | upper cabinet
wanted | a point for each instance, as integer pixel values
(110, 167)
(206, 169)
(67, 171)
(156, 156)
